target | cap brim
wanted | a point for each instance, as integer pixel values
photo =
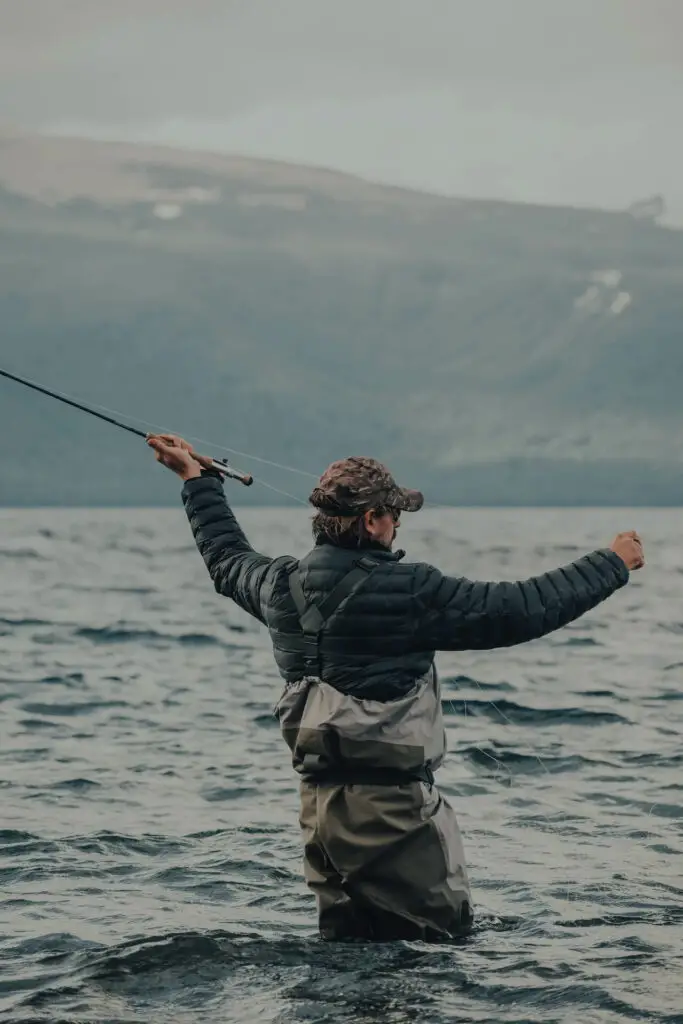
(406, 500)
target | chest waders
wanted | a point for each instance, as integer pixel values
(312, 620)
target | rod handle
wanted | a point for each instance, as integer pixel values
(206, 462)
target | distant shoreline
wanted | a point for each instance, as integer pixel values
(436, 507)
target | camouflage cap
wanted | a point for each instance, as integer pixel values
(351, 486)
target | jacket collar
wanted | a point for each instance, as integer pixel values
(372, 549)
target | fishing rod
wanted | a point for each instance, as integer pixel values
(205, 461)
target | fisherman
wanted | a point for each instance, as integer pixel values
(354, 630)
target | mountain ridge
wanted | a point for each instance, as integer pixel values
(494, 351)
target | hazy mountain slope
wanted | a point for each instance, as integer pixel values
(492, 352)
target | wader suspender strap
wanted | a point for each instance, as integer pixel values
(313, 617)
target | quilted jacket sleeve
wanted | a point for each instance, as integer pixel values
(236, 569)
(459, 614)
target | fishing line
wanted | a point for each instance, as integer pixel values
(252, 458)
(278, 490)
(114, 416)
(111, 416)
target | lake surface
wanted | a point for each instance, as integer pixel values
(150, 866)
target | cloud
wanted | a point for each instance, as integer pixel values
(122, 61)
(553, 100)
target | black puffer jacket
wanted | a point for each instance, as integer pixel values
(385, 635)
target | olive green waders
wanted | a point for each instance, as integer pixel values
(385, 862)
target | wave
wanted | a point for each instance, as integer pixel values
(27, 554)
(579, 641)
(77, 785)
(4, 621)
(72, 709)
(515, 762)
(316, 980)
(653, 758)
(507, 710)
(70, 679)
(127, 634)
(11, 836)
(462, 680)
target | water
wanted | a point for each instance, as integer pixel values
(149, 849)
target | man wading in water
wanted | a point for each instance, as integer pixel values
(354, 632)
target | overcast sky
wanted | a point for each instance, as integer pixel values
(562, 101)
